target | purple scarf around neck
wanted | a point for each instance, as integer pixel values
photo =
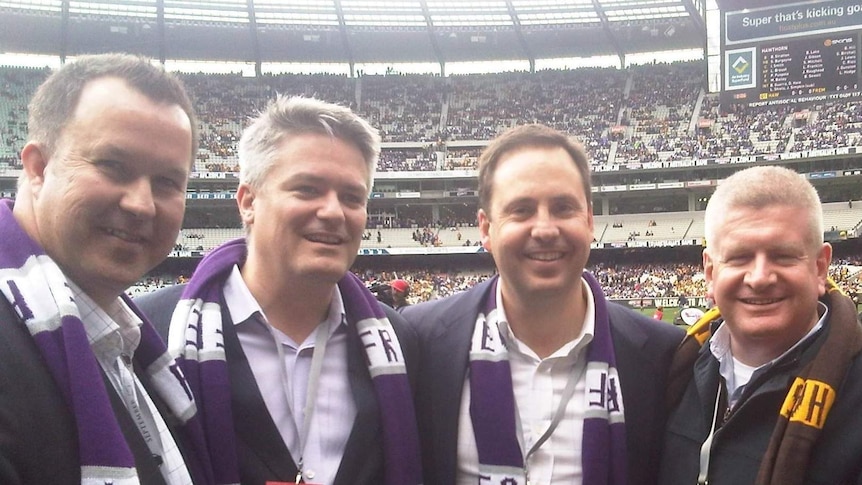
(38, 291)
(494, 414)
(195, 334)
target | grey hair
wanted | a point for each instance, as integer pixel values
(290, 116)
(761, 187)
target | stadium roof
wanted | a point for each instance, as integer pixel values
(352, 31)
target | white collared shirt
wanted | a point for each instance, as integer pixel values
(736, 374)
(538, 387)
(334, 410)
(114, 334)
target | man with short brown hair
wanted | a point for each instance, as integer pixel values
(533, 376)
(88, 389)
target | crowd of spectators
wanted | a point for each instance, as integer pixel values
(641, 114)
(650, 280)
(619, 281)
(462, 159)
(427, 237)
(659, 104)
(830, 126)
(408, 160)
(405, 108)
(637, 115)
(16, 87)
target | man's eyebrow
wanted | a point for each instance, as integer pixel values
(307, 177)
(518, 201)
(110, 151)
(567, 198)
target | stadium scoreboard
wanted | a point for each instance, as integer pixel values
(808, 66)
(793, 53)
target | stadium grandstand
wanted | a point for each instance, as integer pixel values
(639, 82)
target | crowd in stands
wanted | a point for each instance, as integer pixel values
(462, 159)
(650, 280)
(619, 281)
(639, 114)
(831, 126)
(17, 85)
(659, 104)
(405, 108)
(407, 160)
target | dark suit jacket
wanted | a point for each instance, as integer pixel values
(38, 436)
(262, 453)
(643, 350)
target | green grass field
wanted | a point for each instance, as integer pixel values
(669, 313)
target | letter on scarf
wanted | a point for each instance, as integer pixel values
(382, 349)
(808, 402)
(603, 396)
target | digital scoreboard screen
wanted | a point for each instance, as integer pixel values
(808, 66)
(792, 54)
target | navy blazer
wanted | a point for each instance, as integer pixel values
(38, 435)
(643, 349)
(262, 454)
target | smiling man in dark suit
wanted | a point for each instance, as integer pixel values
(273, 328)
(88, 393)
(533, 377)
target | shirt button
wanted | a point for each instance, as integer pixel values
(310, 474)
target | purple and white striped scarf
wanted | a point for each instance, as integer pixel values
(494, 415)
(36, 287)
(196, 336)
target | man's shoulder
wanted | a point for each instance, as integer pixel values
(158, 306)
(13, 331)
(854, 372)
(850, 393)
(159, 298)
(7, 312)
(394, 316)
(445, 312)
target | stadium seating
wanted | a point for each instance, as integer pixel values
(653, 113)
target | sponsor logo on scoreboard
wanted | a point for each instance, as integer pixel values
(740, 69)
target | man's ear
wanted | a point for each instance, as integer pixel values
(823, 259)
(34, 161)
(708, 268)
(484, 229)
(245, 196)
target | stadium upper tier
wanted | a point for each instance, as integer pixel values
(643, 114)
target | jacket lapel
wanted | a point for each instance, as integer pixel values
(256, 432)
(363, 454)
(446, 370)
(145, 463)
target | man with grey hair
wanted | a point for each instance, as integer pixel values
(87, 388)
(773, 394)
(273, 328)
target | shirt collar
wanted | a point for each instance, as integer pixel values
(240, 302)
(719, 345)
(112, 331)
(570, 349)
(242, 305)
